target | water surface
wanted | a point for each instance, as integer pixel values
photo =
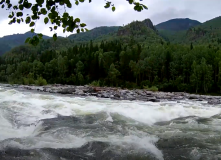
(37, 126)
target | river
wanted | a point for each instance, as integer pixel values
(40, 126)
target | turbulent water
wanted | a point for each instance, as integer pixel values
(36, 126)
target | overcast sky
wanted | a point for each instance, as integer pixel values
(94, 14)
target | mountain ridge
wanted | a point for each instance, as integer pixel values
(178, 24)
(10, 41)
(179, 30)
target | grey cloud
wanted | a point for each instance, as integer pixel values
(94, 14)
(171, 13)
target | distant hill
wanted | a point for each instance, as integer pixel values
(177, 24)
(137, 28)
(199, 33)
(174, 30)
(215, 22)
(93, 33)
(140, 31)
(11, 41)
(207, 32)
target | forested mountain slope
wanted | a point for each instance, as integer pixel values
(93, 33)
(10, 41)
(179, 24)
(135, 56)
(208, 32)
(174, 30)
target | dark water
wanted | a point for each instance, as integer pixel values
(49, 127)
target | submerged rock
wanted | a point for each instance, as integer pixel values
(67, 90)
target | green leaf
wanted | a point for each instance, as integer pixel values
(107, 5)
(20, 1)
(113, 8)
(65, 14)
(32, 24)
(19, 14)
(43, 11)
(69, 5)
(61, 3)
(81, 1)
(46, 20)
(131, 1)
(18, 20)
(21, 7)
(9, 6)
(82, 24)
(12, 21)
(15, 7)
(2, 1)
(78, 30)
(27, 40)
(77, 20)
(34, 40)
(76, 2)
(145, 7)
(27, 5)
(40, 2)
(32, 30)
(40, 35)
(11, 16)
(55, 36)
(55, 27)
(28, 20)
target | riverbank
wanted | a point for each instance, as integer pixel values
(118, 94)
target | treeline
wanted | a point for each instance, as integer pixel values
(168, 67)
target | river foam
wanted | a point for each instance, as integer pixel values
(22, 115)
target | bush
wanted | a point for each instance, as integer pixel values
(95, 83)
(130, 85)
(153, 88)
(145, 83)
(27, 81)
(40, 81)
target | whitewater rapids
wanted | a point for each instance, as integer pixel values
(54, 127)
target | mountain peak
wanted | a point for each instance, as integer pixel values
(178, 24)
(137, 28)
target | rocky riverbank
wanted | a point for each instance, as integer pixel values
(119, 94)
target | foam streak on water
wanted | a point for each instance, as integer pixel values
(132, 125)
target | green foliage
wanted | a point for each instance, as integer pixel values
(93, 34)
(127, 60)
(95, 83)
(29, 79)
(50, 13)
(206, 33)
(130, 85)
(113, 73)
(40, 81)
(153, 88)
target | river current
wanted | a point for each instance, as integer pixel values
(39, 126)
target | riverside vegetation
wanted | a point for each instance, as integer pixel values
(132, 56)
